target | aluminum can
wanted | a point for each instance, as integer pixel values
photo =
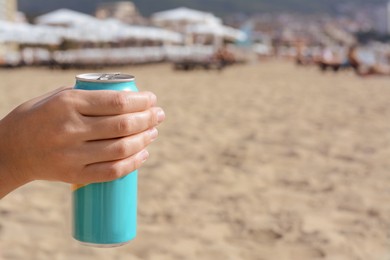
(105, 214)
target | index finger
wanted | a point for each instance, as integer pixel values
(109, 102)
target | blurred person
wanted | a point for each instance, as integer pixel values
(77, 136)
(329, 58)
(303, 56)
(363, 68)
(223, 57)
(352, 59)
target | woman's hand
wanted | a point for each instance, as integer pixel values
(77, 136)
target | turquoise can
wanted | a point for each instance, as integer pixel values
(105, 214)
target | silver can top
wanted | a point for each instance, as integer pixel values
(105, 77)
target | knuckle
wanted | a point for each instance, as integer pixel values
(121, 149)
(152, 117)
(64, 96)
(136, 164)
(152, 99)
(124, 125)
(66, 131)
(61, 131)
(114, 172)
(63, 100)
(146, 139)
(129, 166)
(120, 102)
(133, 165)
(139, 143)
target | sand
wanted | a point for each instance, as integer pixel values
(260, 162)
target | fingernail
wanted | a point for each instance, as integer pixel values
(153, 133)
(144, 155)
(160, 115)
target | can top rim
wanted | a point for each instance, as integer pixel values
(105, 77)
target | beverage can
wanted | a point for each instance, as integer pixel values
(105, 214)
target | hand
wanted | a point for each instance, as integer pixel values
(77, 136)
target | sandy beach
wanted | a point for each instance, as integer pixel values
(264, 161)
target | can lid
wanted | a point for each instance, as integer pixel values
(105, 77)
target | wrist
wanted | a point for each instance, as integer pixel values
(9, 182)
(10, 178)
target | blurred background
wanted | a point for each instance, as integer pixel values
(276, 142)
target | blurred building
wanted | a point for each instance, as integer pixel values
(8, 10)
(124, 11)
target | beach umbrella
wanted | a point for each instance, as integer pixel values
(24, 33)
(112, 30)
(98, 31)
(217, 30)
(185, 15)
(65, 17)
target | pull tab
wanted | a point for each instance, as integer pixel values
(108, 76)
